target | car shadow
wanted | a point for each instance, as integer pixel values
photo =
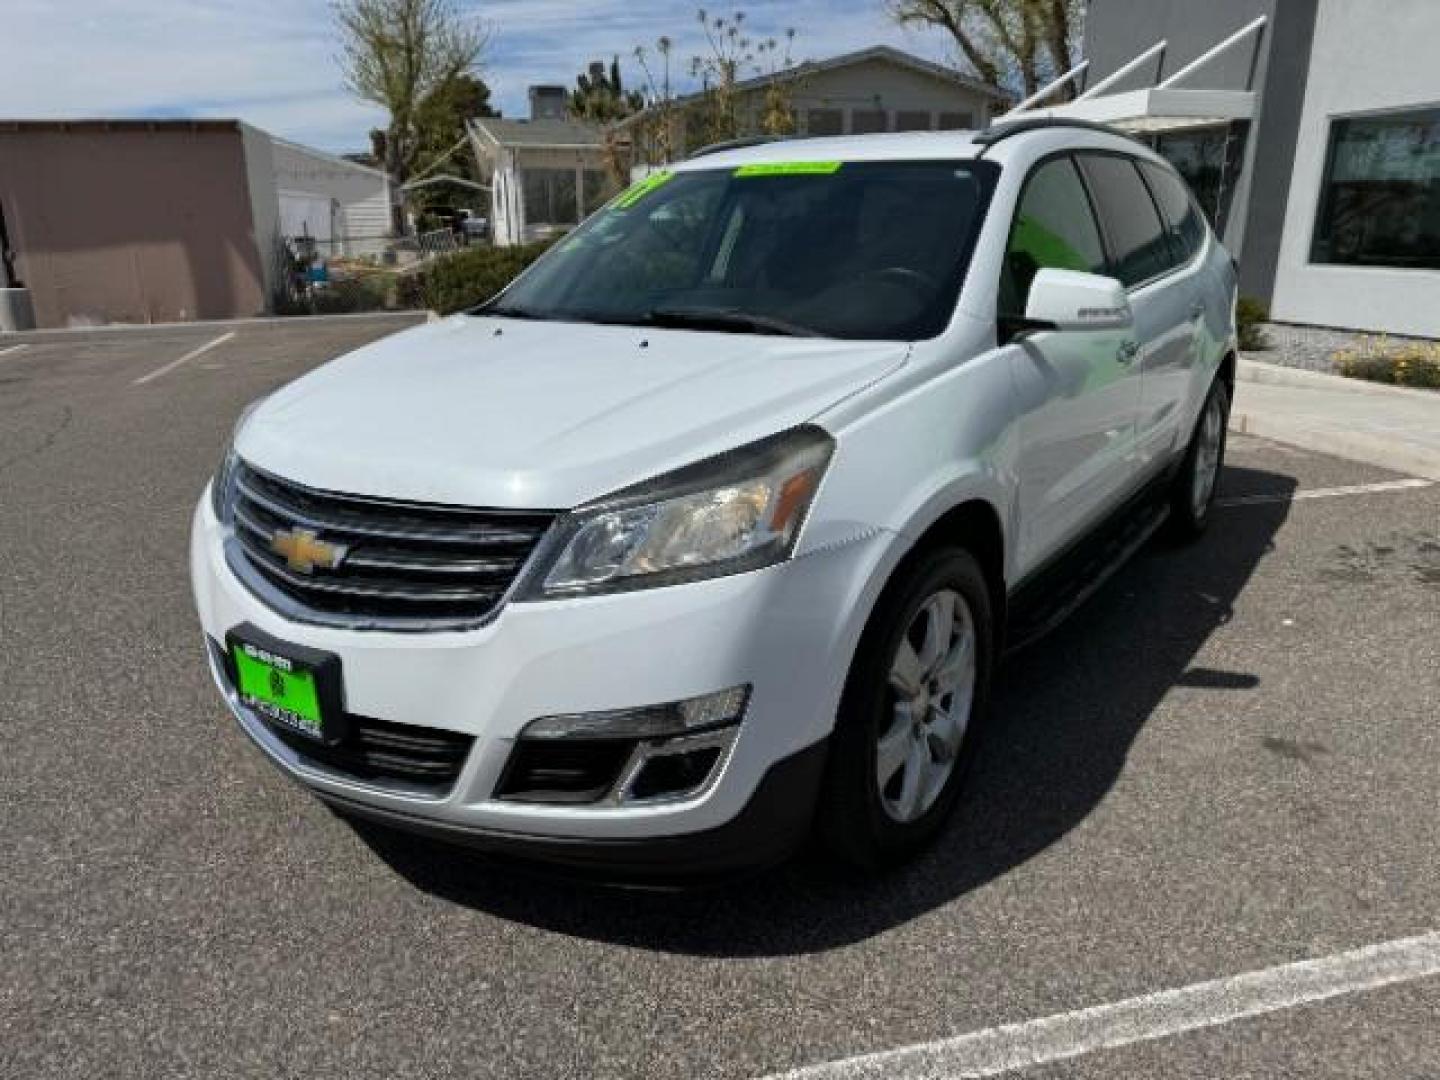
(1065, 714)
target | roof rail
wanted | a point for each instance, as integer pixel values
(992, 135)
(733, 144)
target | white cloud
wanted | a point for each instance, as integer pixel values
(272, 62)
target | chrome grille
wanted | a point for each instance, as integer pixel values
(406, 565)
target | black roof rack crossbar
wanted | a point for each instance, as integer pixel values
(732, 144)
(992, 135)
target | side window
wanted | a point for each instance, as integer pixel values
(1137, 238)
(1054, 227)
(1187, 231)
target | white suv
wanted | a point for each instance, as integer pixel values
(709, 530)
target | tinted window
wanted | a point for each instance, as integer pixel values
(1137, 239)
(1186, 229)
(866, 121)
(825, 122)
(849, 249)
(1380, 204)
(1199, 158)
(1054, 227)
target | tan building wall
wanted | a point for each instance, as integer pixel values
(130, 221)
(880, 96)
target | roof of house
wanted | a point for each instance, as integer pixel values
(108, 124)
(886, 53)
(540, 134)
(334, 159)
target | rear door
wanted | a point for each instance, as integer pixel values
(1142, 258)
(1079, 392)
(1172, 394)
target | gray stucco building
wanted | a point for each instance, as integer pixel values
(1313, 142)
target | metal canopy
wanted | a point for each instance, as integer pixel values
(1160, 109)
(1165, 107)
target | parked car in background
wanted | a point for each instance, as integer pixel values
(711, 529)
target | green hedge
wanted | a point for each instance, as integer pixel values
(1249, 314)
(456, 282)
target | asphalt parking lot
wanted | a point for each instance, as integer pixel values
(1227, 761)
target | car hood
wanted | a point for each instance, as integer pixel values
(543, 415)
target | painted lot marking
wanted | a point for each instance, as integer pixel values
(191, 355)
(1142, 1019)
(12, 350)
(1408, 484)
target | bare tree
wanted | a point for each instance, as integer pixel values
(396, 53)
(1008, 44)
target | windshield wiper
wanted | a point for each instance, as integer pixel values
(506, 311)
(729, 319)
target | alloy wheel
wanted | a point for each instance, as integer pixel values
(1207, 455)
(931, 691)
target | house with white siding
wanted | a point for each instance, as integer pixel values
(880, 88)
(344, 206)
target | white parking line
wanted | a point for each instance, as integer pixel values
(1141, 1019)
(12, 350)
(1408, 484)
(191, 355)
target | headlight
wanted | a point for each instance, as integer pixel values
(222, 499)
(739, 511)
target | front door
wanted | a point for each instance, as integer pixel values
(1079, 390)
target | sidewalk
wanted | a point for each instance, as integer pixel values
(1392, 427)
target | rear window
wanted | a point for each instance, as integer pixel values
(1187, 231)
(1139, 249)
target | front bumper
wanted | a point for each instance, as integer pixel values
(788, 631)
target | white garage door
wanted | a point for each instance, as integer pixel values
(303, 214)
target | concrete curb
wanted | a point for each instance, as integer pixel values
(265, 323)
(1257, 371)
(1399, 457)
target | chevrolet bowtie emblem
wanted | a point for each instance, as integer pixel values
(303, 551)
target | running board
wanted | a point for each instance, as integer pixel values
(1056, 593)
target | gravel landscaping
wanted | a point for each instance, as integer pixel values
(1311, 347)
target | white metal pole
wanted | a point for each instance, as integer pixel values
(1119, 73)
(1045, 91)
(1205, 57)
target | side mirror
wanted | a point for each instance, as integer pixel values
(1070, 300)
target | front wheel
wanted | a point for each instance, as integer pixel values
(916, 692)
(1193, 495)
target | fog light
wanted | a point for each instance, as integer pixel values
(687, 717)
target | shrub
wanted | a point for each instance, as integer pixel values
(454, 282)
(1249, 314)
(1411, 363)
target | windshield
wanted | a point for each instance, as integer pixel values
(870, 250)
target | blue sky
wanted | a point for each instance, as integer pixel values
(272, 62)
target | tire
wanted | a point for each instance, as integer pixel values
(869, 821)
(1193, 495)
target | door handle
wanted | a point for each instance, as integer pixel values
(1127, 352)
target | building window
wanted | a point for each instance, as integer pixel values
(549, 196)
(866, 121)
(1380, 201)
(598, 188)
(957, 121)
(912, 120)
(825, 122)
(1199, 157)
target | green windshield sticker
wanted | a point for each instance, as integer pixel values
(790, 168)
(638, 190)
